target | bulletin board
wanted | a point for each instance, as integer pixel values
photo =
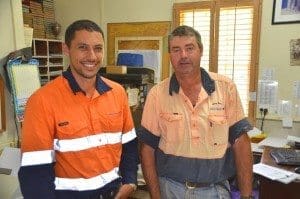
(138, 36)
(24, 80)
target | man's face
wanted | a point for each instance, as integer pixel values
(185, 54)
(86, 54)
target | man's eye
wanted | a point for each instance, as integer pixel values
(190, 49)
(175, 50)
(83, 47)
(98, 49)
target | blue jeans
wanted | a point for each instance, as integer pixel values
(171, 189)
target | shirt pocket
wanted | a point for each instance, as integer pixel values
(172, 126)
(113, 122)
(218, 130)
(72, 129)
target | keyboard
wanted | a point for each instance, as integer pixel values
(286, 156)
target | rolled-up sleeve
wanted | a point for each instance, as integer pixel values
(238, 129)
(147, 137)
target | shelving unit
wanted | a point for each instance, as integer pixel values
(50, 56)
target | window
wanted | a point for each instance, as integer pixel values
(230, 32)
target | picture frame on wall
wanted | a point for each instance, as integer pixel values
(286, 12)
(295, 52)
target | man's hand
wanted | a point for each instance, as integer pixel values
(125, 191)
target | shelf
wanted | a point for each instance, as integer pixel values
(40, 56)
(50, 56)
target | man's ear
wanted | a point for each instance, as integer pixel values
(65, 49)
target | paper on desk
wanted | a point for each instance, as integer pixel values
(11, 159)
(274, 173)
(255, 148)
(293, 138)
(273, 142)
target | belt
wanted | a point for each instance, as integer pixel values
(192, 185)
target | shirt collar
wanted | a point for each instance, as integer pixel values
(101, 86)
(207, 83)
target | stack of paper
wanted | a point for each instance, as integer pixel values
(275, 173)
(274, 142)
(292, 138)
(254, 132)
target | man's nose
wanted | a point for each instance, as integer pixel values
(183, 53)
(92, 54)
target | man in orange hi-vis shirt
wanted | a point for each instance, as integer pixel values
(194, 132)
(78, 137)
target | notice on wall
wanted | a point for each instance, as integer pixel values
(267, 94)
(297, 89)
(285, 108)
(268, 74)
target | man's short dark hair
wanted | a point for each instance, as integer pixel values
(185, 31)
(81, 25)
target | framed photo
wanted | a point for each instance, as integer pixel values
(295, 52)
(286, 11)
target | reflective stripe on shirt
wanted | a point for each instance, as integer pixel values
(47, 156)
(82, 184)
(128, 136)
(37, 157)
(87, 142)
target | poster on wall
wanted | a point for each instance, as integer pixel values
(286, 11)
(295, 52)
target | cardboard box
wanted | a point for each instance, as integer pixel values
(116, 69)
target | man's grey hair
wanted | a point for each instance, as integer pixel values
(185, 31)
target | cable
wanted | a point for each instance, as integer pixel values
(263, 112)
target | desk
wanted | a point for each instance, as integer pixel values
(270, 189)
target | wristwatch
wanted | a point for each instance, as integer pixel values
(133, 186)
(246, 197)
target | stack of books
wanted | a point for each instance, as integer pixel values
(27, 17)
(40, 16)
(49, 17)
(38, 19)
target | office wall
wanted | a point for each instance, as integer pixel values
(67, 12)
(274, 52)
(11, 26)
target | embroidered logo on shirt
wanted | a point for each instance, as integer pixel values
(63, 123)
(216, 106)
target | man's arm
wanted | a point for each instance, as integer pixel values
(37, 182)
(244, 164)
(149, 170)
(129, 162)
(36, 174)
(128, 168)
